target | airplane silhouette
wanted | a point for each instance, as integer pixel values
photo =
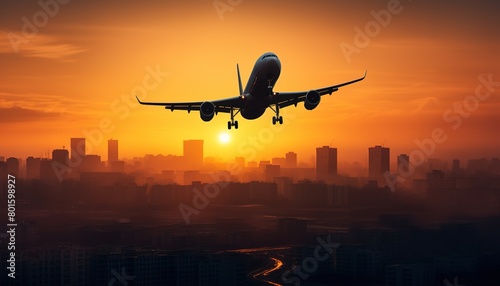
(257, 96)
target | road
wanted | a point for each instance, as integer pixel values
(262, 274)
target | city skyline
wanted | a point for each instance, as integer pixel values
(379, 163)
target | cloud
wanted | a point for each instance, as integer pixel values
(38, 46)
(18, 114)
(48, 104)
(420, 103)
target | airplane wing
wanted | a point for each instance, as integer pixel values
(222, 105)
(284, 99)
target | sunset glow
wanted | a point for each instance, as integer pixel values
(79, 73)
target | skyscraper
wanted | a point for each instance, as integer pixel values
(378, 161)
(291, 160)
(77, 149)
(33, 168)
(112, 151)
(13, 166)
(193, 153)
(59, 165)
(326, 162)
(404, 165)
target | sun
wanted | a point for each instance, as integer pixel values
(224, 138)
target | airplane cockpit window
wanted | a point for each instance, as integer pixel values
(267, 56)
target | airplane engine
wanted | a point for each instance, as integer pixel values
(207, 111)
(312, 100)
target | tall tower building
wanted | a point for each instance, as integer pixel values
(378, 161)
(193, 153)
(404, 165)
(60, 158)
(326, 162)
(77, 149)
(33, 168)
(112, 151)
(13, 166)
(291, 160)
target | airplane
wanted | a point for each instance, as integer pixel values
(257, 96)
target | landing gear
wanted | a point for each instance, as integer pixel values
(232, 122)
(278, 118)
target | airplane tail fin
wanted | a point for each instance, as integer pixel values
(239, 79)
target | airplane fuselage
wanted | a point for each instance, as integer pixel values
(259, 88)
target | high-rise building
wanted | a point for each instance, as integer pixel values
(378, 161)
(403, 165)
(91, 163)
(59, 166)
(3, 170)
(278, 161)
(13, 166)
(263, 164)
(271, 172)
(112, 150)
(33, 168)
(291, 160)
(61, 156)
(48, 170)
(439, 185)
(77, 149)
(326, 163)
(193, 153)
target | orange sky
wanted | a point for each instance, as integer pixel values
(85, 61)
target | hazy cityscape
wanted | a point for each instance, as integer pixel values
(192, 220)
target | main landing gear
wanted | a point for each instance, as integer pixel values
(233, 122)
(278, 117)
